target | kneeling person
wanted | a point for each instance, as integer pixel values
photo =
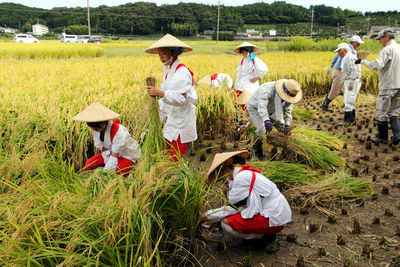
(257, 208)
(119, 150)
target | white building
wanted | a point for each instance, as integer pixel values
(39, 29)
(272, 32)
(8, 30)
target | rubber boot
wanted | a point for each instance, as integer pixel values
(257, 148)
(347, 118)
(383, 132)
(325, 105)
(395, 124)
(353, 116)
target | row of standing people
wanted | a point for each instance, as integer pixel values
(346, 73)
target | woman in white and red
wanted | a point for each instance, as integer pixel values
(219, 80)
(250, 70)
(177, 96)
(119, 150)
(257, 209)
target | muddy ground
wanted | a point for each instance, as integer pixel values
(376, 245)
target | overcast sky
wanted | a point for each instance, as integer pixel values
(356, 5)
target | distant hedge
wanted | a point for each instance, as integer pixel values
(223, 36)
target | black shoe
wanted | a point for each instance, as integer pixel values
(260, 243)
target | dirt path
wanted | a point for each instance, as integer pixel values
(378, 164)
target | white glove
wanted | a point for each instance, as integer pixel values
(329, 71)
(350, 87)
(111, 164)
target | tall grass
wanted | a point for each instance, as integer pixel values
(52, 216)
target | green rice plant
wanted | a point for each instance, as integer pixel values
(215, 109)
(50, 215)
(45, 50)
(286, 173)
(312, 147)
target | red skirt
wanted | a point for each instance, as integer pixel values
(257, 225)
(123, 167)
(176, 149)
(237, 94)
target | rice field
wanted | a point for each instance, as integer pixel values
(53, 215)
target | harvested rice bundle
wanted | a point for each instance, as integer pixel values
(363, 54)
(303, 114)
(310, 147)
(335, 187)
(286, 173)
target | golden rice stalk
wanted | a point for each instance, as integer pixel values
(363, 54)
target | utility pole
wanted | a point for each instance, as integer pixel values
(389, 21)
(131, 30)
(218, 24)
(396, 23)
(368, 19)
(88, 17)
(312, 19)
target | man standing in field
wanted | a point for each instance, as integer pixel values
(388, 103)
(351, 75)
(336, 70)
(271, 105)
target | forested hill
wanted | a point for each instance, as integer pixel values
(143, 18)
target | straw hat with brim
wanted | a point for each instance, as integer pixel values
(289, 90)
(220, 158)
(95, 113)
(237, 49)
(168, 41)
(242, 99)
(205, 81)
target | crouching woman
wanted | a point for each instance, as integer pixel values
(119, 150)
(257, 209)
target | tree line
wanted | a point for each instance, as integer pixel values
(183, 19)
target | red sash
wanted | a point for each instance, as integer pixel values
(253, 170)
(114, 129)
(182, 65)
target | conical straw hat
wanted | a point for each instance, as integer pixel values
(168, 41)
(222, 157)
(205, 81)
(237, 49)
(95, 113)
(242, 99)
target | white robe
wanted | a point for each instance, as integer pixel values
(248, 71)
(122, 144)
(265, 199)
(180, 111)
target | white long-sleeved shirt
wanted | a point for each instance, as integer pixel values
(122, 144)
(263, 99)
(388, 65)
(222, 80)
(350, 71)
(247, 71)
(180, 111)
(265, 199)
